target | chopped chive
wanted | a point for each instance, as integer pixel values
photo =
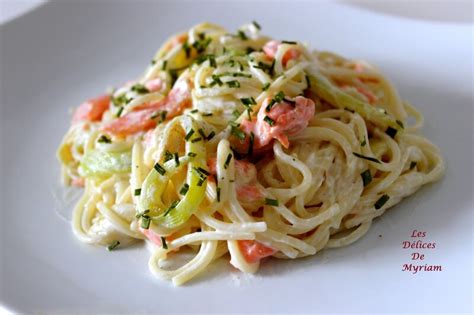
(203, 171)
(366, 177)
(168, 156)
(196, 139)
(381, 202)
(184, 189)
(159, 169)
(171, 207)
(112, 246)
(412, 165)
(269, 121)
(272, 68)
(249, 115)
(192, 154)
(391, 132)
(251, 141)
(189, 134)
(104, 139)
(200, 182)
(119, 112)
(242, 35)
(137, 192)
(187, 50)
(288, 42)
(257, 26)
(291, 102)
(278, 98)
(237, 132)
(399, 123)
(194, 111)
(145, 222)
(248, 101)
(153, 61)
(233, 84)
(202, 44)
(218, 190)
(140, 89)
(271, 202)
(201, 132)
(266, 67)
(249, 50)
(363, 143)
(227, 160)
(366, 158)
(163, 243)
(165, 63)
(163, 115)
(308, 83)
(212, 61)
(176, 159)
(236, 113)
(215, 80)
(120, 100)
(266, 86)
(349, 110)
(141, 214)
(206, 114)
(210, 135)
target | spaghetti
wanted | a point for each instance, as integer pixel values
(240, 145)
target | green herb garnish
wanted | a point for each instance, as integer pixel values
(145, 222)
(233, 84)
(119, 112)
(278, 98)
(237, 132)
(210, 135)
(187, 50)
(184, 189)
(112, 246)
(140, 89)
(227, 160)
(381, 202)
(189, 134)
(159, 169)
(248, 101)
(242, 35)
(251, 141)
(391, 132)
(171, 207)
(257, 26)
(163, 243)
(366, 177)
(176, 159)
(104, 139)
(271, 202)
(269, 121)
(366, 158)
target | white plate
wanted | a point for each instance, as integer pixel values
(63, 53)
